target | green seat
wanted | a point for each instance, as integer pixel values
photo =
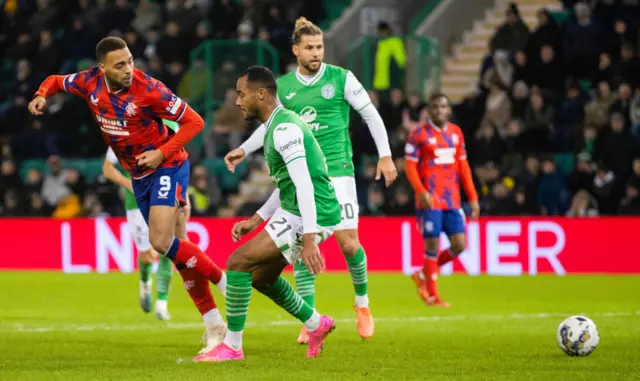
(92, 169)
(561, 17)
(39, 164)
(564, 161)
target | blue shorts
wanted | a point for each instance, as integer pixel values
(165, 186)
(433, 222)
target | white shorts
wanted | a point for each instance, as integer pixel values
(285, 229)
(345, 188)
(139, 230)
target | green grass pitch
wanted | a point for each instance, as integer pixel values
(90, 327)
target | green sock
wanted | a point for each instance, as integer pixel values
(305, 284)
(145, 270)
(358, 269)
(237, 298)
(163, 277)
(283, 295)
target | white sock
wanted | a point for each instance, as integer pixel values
(222, 285)
(362, 301)
(421, 275)
(212, 317)
(313, 323)
(234, 339)
(161, 305)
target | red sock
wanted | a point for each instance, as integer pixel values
(189, 254)
(430, 271)
(444, 257)
(198, 288)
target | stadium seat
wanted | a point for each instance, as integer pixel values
(565, 162)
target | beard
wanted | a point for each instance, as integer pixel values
(307, 67)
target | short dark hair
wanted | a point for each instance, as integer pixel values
(108, 45)
(436, 96)
(261, 75)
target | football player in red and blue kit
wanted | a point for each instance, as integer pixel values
(128, 106)
(435, 164)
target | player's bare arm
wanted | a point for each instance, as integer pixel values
(110, 171)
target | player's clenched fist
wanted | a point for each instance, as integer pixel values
(150, 159)
(233, 158)
(37, 105)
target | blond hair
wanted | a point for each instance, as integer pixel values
(304, 27)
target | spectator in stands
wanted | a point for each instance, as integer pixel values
(12, 206)
(603, 183)
(597, 111)
(225, 16)
(604, 71)
(123, 15)
(37, 207)
(569, 118)
(621, 34)
(583, 205)
(415, 113)
(500, 202)
(229, 127)
(487, 145)
(622, 104)
(634, 115)
(390, 60)
(630, 204)
(529, 178)
(79, 43)
(525, 206)
(148, 16)
(626, 70)
(582, 176)
(48, 57)
(401, 202)
(617, 147)
(203, 33)
(522, 68)
(552, 192)
(583, 42)
(375, 202)
(91, 207)
(513, 34)
(635, 169)
(34, 182)
(547, 32)
(186, 14)
(548, 73)
(517, 144)
(205, 192)
(519, 99)
(391, 111)
(9, 177)
(538, 118)
(137, 45)
(497, 107)
(171, 47)
(46, 17)
(24, 47)
(54, 186)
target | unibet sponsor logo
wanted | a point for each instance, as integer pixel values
(309, 115)
(292, 143)
(112, 126)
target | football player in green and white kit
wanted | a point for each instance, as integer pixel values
(302, 212)
(322, 95)
(140, 232)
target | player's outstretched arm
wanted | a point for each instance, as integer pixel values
(357, 97)
(110, 171)
(52, 85)
(254, 143)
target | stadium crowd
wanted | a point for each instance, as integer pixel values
(553, 128)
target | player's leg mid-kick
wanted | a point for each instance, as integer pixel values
(435, 159)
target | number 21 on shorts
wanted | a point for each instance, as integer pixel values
(165, 186)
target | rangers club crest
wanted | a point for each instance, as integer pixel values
(328, 91)
(131, 109)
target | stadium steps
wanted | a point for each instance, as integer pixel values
(462, 68)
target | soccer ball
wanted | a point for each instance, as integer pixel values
(578, 336)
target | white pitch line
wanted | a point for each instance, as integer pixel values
(20, 328)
